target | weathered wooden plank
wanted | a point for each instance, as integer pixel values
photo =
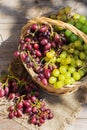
(10, 32)
(7, 47)
(80, 124)
(16, 4)
(10, 26)
(12, 19)
(10, 13)
(9, 35)
(83, 113)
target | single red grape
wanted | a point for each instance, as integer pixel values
(19, 113)
(44, 41)
(43, 29)
(36, 46)
(27, 39)
(38, 53)
(2, 92)
(11, 115)
(44, 81)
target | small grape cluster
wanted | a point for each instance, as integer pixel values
(79, 21)
(63, 14)
(25, 98)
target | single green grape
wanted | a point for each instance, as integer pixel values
(73, 61)
(82, 19)
(59, 17)
(63, 62)
(52, 80)
(85, 52)
(71, 21)
(53, 16)
(62, 77)
(80, 39)
(58, 60)
(69, 80)
(63, 69)
(52, 51)
(79, 63)
(68, 60)
(60, 28)
(68, 33)
(82, 73)
(76, 57)
(72, 80)
(55, 72)
(76, 75)
(71, 50)
(84, 29)
(79, 25)
(63, 54)
(61, 11)
(84, 64)
(85, 47)
(76, 16)
(86, 23)
(86, 56)
(67, 9)
(56, 28)
(77, 43)
(64, 17)
(67, 74)
(71, 45)
(73, 37)
(71, 69)
(64, 47)
(50, 55)
(85, 70)
(59, 84)
(46, 59)
(80, 48)
(53, 60)
(76, 52)
(82, 55)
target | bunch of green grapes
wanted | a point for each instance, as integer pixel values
(71, 36)
(71, 65)
(77, 20)
(73, 58)
(80, 22)
(62, 14)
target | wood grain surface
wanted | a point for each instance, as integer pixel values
(13, 15)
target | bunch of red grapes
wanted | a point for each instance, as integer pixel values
(38, 40)
(26, 100)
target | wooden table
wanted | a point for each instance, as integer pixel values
(13, 15)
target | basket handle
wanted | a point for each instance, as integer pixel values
(46, 20)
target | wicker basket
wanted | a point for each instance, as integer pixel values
(48, 88)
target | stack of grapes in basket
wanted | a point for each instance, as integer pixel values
(56, 54)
